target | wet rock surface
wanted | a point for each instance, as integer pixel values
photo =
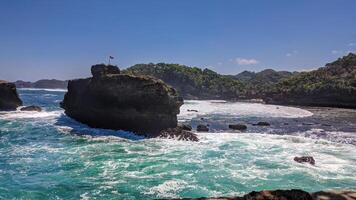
(31, 108)
(240, 127)
(305, 159)
(9, 99)
(202, 128)
(178, 133)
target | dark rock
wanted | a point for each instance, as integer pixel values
(140, 104)
(9, 99)
(262, 124)
(192, 110)
(101, 70)
(31, 108)
(185, 127)
(278, 195)
(240, 127)
(178, 133)
(202, 128)
(303, 159)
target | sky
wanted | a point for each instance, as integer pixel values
(62, 38)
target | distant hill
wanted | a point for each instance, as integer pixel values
(44, 83)
(256, 83)
(191, 82)
(332, 85)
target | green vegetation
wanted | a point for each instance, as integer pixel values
(191, 82)
(332, 85)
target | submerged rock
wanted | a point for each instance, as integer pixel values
(111, 100)
(202, 128)
(31, 108)
(305, 159)
(240, 127)
(262, 124)
(9, 99)
(178, 133)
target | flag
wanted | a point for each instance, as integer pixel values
(111, 57)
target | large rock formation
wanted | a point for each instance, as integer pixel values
(9, 99)
(111, 100)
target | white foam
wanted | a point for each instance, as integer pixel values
(238, 109)
(29, 114)
(168, 188)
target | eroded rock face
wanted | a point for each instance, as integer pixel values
(111, 100)
(9, 99)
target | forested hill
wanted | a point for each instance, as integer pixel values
(191, 82)
(332, 85)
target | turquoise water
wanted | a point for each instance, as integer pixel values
(49, 156)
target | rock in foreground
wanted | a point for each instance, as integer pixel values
(111, 100)
(291, 195)
(9, 99)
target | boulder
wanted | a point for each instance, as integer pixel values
(240, 127)
(31, 108)
(9, 99)
(178, 133)
(262, 124)
(202, 128)
(305, 159)
(110, 100)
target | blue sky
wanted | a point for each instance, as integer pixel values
(63, 38)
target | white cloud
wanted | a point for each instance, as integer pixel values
(244, 61)
(351, 44)
(289, 54)
(336, 52)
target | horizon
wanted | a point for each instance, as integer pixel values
(62, 39)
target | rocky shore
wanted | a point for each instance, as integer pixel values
(111, 100)
(289, 195)
(9, 99)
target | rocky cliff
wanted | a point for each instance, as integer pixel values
(112, 100)
(9, 99)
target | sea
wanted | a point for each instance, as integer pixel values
(47, 155)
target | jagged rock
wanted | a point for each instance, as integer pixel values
(303, 159)
(31, 108)
(111, 100)
(262, 124)
(185, 127)
(202, 128)
(9, 99)
(240, 127)
(178, 133)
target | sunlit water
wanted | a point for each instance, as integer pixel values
(49, 156)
